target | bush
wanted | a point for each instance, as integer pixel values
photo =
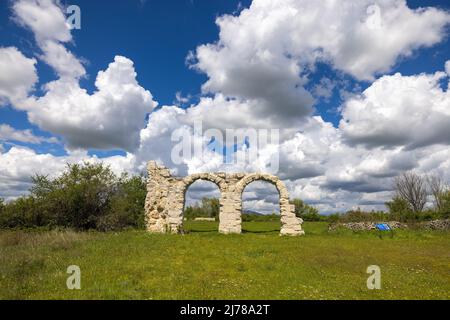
(23, 213)
(359, 215)
(333, 218)
(2, 209)
(400, 209)
(445, 202)
(306, 212)
(77, 198)
(246, 217)
(127, 205)
(87, 196)
(209, 208)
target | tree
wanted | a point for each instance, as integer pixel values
(127, 205)
(438, 189)
(2, 210)
(79, 196)
(445, 202)
(211, 207)
(305, 211)
(399, 208)
(24, 212)
(411, 187)
(84, 196)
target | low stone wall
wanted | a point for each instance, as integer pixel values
(362, 226)
(204, 219)
(437, 224)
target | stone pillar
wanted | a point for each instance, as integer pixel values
(230, 213)
(291, 225)
(156, 209)
(175, 204)
(230, 208)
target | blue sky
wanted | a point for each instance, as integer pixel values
(157, 36)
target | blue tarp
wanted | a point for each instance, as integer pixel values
(383, 227)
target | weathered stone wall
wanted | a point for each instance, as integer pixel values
(437, 224)
(362, 226)
(165, 200)
(156, 202)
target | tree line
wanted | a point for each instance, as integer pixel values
(91, 196)
(412, 192)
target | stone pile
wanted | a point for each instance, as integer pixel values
(437, 224)
(361, 226)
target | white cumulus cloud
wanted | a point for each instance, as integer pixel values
(257, 72)
(396, 110)
(265, 53)
(111, 117)
(18, 75)
(8, 133)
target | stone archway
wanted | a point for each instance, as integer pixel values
(290, 224)
(166, 194)
(177, 198)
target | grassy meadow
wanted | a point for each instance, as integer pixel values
(202, 264)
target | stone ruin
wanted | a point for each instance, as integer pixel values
(165, 200)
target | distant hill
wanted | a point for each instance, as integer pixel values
(253, 212)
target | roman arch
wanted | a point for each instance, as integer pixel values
(166, 194)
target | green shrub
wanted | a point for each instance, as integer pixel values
(77, 198)
(305, 211)
(209, 208)
(251, 217)
(87, 196)
(358, 216)
(23, 212)
(400, 209)
(333, 218)
(2, 209)
(127, 205)
(445, 203)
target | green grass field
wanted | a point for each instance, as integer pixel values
(203, 264)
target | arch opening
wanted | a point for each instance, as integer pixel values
(261, 207)
(201, 205)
